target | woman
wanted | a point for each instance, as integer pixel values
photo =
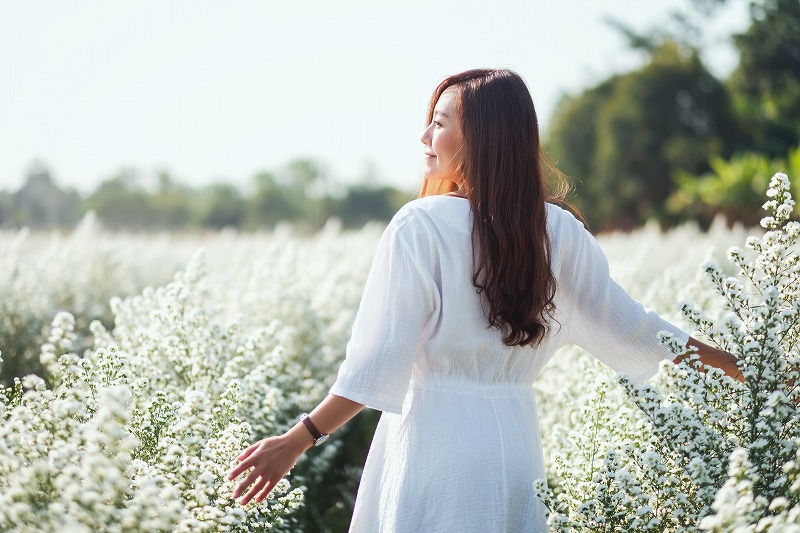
(473, 287)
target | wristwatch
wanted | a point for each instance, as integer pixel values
(319, 438)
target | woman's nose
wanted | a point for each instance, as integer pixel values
(426, 136)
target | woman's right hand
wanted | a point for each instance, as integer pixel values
(270, 460)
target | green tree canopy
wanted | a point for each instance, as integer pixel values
(363, 203)
(271, 202)
(624, 139)
(766, 83)
(121, 202)
(222, 205)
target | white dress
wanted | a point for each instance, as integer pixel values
(457, 447)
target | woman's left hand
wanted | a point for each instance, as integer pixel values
(270, 460)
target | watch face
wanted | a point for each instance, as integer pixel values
(321, 440)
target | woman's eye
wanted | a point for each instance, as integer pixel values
(437, 124)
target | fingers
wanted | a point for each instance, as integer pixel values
(237, 470)
(266, 490)
(245, 454)
(262, 459)
(246, 482)
(259, 490)
(262, 484)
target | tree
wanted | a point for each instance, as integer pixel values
(40, 203)
(572, 141)
(307, 186)
(625, 138)
(121, 202)
(363, 203)
(6, 209)
(223, 206)
(271, 202)
(766, 84)
(172, 202)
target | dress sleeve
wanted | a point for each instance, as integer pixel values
(605, 320)
(398, 300)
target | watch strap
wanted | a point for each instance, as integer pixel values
(318, 437)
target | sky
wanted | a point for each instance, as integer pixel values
(218, 91)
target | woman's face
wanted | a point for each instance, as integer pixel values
(442, 140)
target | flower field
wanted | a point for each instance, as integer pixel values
(151, 382)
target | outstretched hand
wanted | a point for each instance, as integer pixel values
(270, 460)
(715, 357)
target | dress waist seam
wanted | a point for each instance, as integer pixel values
(484, 390)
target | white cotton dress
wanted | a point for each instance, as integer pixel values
(457, 448)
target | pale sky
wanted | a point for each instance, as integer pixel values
(216, 91)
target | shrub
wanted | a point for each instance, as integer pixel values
(702, 452)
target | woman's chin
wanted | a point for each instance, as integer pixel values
(430, 173)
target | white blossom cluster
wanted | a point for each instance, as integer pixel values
(138, 432)
(43, 273)
(737, 503)
(697, 450)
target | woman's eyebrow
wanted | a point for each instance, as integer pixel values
(442, 113)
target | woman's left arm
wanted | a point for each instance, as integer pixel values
(715, 357)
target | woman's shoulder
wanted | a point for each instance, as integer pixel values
(431, 210)
(434, 202)
(445, 211)
(560, 220)
(567, 236)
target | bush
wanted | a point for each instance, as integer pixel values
(701, 452)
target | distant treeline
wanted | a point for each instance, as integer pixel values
(297, 193)
(668, 141)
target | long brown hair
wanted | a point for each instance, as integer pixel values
(504, 181)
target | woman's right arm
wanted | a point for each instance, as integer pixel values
(273, 457)
(608, 323)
